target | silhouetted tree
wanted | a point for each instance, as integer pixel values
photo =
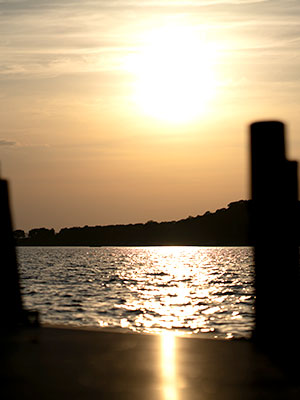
(41, 235)
(19, 234)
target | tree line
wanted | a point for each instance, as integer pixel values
(225, 227)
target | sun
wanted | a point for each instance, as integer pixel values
(174, 77)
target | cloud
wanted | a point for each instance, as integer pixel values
(14, 143)
(14, 5)
(68, 39)
(9, 143)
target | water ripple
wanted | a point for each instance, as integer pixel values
(190, 289)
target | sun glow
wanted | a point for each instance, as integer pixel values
(174, 74)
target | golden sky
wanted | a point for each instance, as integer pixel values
(123, 111)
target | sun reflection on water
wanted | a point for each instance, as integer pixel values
(144, 289)
(168, 365)
(170, 298)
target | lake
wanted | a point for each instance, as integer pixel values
(191, 290)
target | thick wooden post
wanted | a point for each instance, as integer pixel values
(11, 302)
(274, 230)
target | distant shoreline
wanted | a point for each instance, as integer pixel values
(224, 227)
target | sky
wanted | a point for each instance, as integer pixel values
(124, 111)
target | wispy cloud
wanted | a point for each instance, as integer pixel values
(14, 143)
(45, 5)
(9, 143)
(60, 38)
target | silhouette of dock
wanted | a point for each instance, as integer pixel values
(42, 362)
(51, 363)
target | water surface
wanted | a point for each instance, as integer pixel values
(143, 289)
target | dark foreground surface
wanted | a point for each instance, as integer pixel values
(56, 363)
